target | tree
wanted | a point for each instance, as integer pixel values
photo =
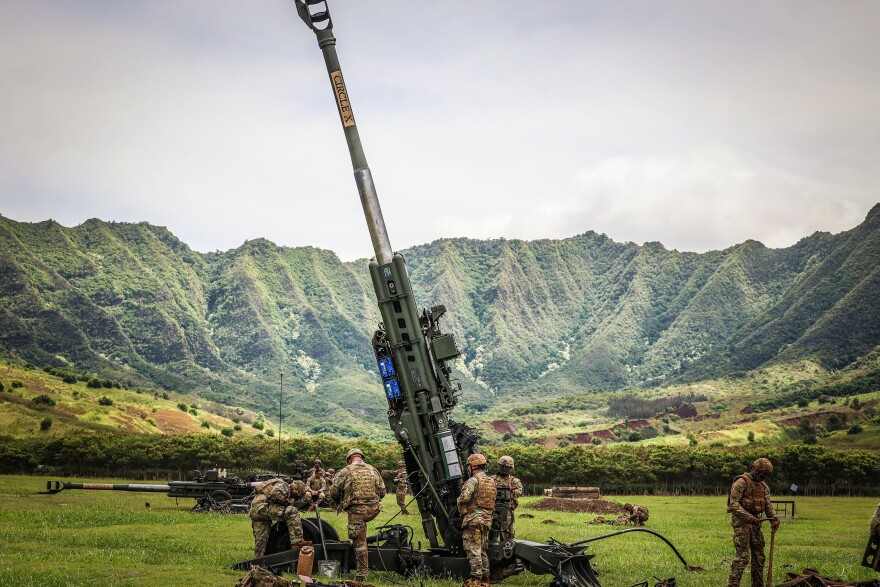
(105, 401)
(751, 437)
(46, 423)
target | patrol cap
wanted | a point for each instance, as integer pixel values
(401, 463)
(476, 460)
(352, 452)
(505, 461)
(763, 466)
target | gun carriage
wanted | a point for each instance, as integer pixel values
(413, 358)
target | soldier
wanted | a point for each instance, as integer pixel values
(358, 489)
(638, 514)
(273, 503)
(505, 480)
(401, 483)
(875, 524)
(315, 466)
(329, 475)
(318, 488)
(749, 498)
(477, 504)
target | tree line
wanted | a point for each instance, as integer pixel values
(816, 470)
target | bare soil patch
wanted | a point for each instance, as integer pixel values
(583, 506)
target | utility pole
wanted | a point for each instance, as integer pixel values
(280, 397)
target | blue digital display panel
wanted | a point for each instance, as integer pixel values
(392, 389)
(386, 368)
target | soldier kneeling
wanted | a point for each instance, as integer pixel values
(274, 503)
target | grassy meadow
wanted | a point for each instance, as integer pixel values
(112, 538)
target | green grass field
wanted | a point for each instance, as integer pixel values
(112, 538)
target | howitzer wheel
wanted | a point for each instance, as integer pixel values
(223, 500)
(279, 538)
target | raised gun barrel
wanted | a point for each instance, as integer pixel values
(411, 351)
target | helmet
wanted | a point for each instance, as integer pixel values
(627, 506)
(331, 471)
(352, 452)
(476, 460)
(505, 461)
(317, 461)
(763, 466)
(401, 463)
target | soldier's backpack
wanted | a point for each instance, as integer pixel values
(262, 577)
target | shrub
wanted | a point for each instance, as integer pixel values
(94, 383)
(46, 423)
(809, 439)
(634, 437)
(182, 407)
(855, 429)
(44, 400)
(194, 406)
(803, 403)
(1, 386)
(751, 437)
(692, 440)
(69, 378)
(270, 432)
(206, 424)
(16, 384)
(151, 422)
(165, 395)
(194, 411)
(237, 427)
(105, 401)
(226, 431)
(258, 425)
(596, 441)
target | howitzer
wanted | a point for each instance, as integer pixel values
(413, 358)
(211, 491)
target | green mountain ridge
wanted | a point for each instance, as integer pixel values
(534, 319)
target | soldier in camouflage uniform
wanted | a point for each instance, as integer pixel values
(274, 503)
(401, 484)
(505, 480)
(477, 504)
(358, 489)
(875, 524)
(318, 487)
(749, 498)
(638, 514)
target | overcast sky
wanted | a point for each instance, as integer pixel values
(697, 124)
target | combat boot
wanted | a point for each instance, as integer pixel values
(486, 582)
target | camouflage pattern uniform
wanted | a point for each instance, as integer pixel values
(477, 504)
(516, 490)
(638, 514)
(274, 503)
(358, 489)
(749, 498)
(319, 485)
(401, 484)
(875, 524)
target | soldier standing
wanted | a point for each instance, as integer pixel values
(401, 484)
(875, 524)
(507, 481)
(638, 514)
(477, 504)
(358, 489)
(274, 503)
(749, 498)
